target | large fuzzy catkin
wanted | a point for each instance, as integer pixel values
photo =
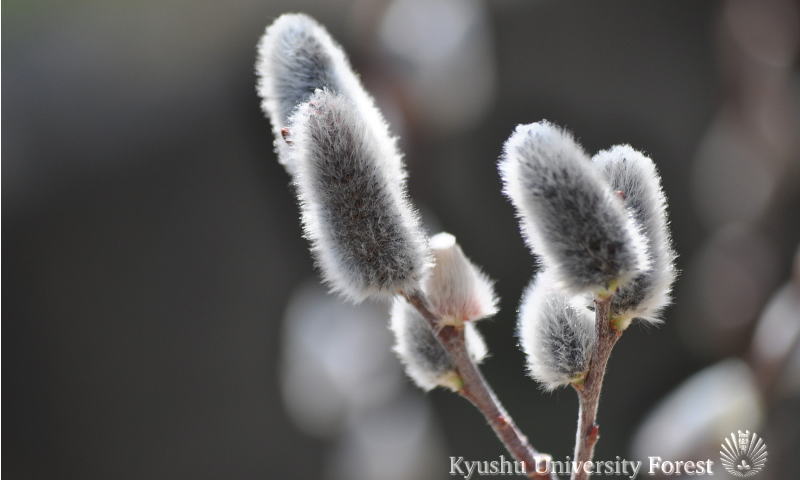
(635, 176)
(569, 215)
(425, 360)
(296, 57)
(349, 179)
(556, 333)
(458, 291)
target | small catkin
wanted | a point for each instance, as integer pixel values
(296, 57)
(636, 178)
(458, 291)
(569, 215)
(556, 333)
(425, 360)
(350, 183)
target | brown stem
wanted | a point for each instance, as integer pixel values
(478, 392)
(589, 391)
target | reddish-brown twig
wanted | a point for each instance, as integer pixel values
(589, 390)
(478, 392)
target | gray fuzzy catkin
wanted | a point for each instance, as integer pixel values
(569, 215)
(296, 57)
(556, 333)
(425, 360)
(350, 183)
(635, 176)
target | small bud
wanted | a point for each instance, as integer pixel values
(637, 178)
(296, 57)
(556, 334)
(424, 358)
(457, 290)
(351, 187)
(570, 216)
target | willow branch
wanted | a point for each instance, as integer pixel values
(475, 389)
(589, 391)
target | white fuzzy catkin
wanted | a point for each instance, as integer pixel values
(296, 57)
(635, 176)
(458, 291)
(556, 333)
(425, 360)
(349, 179)
(569, 215)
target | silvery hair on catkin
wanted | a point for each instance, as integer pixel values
(349, 179)
(458, 291)
(556, 333)
(296, 57)
(425, 360)
(636, 177)
(569, 215)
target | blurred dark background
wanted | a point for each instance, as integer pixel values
(152, 243)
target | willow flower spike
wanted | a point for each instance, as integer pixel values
(350, 183)
(569, 215)
(425, 360)
(556, 334)
(458, 291)
(296, 56)
(636, 178)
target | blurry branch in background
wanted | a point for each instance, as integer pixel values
(746, 177)
(597, 225)
(735, 305)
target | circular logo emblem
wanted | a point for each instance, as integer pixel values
(743, 454)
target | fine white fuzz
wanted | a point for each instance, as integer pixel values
(349, 179)
(425, 360)
(636, 178)
(569, 215)
(296, 57)
(556, 333)
(458, 291)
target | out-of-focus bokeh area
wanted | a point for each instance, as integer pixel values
(161, 315)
